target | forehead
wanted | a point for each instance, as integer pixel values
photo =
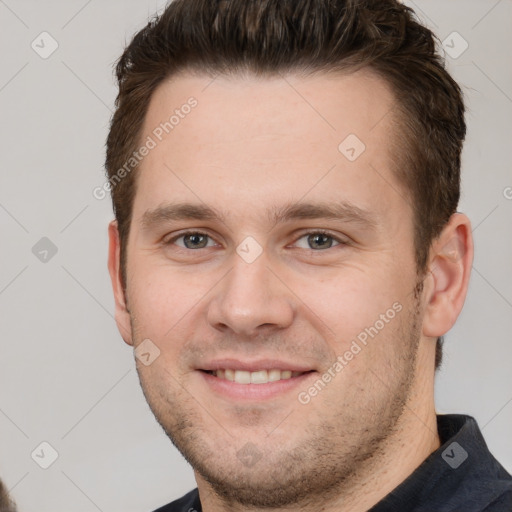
(245, 138)
(329, 104)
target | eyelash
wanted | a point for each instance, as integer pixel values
(308, 233)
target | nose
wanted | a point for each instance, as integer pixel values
(251, 299)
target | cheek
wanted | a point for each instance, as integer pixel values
(162, 298)
(352, 302)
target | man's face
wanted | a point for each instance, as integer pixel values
(274, 283)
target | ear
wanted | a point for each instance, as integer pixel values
(450, 261)
(122, 314)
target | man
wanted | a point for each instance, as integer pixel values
(287, 255)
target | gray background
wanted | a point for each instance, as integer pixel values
(66, 377)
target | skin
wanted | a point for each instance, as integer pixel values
(254, 145)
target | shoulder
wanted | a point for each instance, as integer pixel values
(501, 504)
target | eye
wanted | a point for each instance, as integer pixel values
(317, 240)
(192, 240)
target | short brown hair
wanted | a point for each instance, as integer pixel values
(6, 503)
(269, 37)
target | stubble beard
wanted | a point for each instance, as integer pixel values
(334, 450)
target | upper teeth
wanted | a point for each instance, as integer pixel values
(259, 377)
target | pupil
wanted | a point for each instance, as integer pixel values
(194, 240)
(319, 241)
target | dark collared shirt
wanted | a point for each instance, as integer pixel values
(461, 476)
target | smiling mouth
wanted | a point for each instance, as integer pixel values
(257, 377)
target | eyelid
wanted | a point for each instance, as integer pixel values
(170, 240)
(319, 231)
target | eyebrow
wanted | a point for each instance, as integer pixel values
(343, 211)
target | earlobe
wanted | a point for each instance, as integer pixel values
(451, 258)
(122, 313)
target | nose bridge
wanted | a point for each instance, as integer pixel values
(250, 297)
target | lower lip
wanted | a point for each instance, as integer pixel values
(236, 391)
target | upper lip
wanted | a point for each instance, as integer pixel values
(253, 366)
